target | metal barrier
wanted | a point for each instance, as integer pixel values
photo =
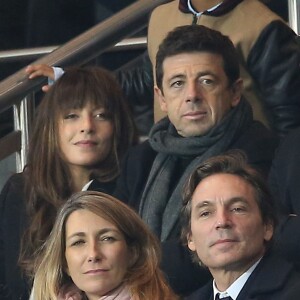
(294, 15)
(35, 53)
(17, 90)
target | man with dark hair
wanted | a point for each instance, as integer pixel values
(200, 89)
(228, 221)
(267, 48)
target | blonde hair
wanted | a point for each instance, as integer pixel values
(143, 278)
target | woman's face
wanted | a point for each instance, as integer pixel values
(97, 255)
(85, 136)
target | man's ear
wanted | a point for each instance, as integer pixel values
(160, 97)
(190, 242)
(237, 89)
(269, 230)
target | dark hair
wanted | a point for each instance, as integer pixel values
(234, 162)
(48, 182)
(197, 38)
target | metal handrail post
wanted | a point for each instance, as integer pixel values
(23, 113)
(294, 15)
(81, 49)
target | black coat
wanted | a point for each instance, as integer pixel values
(272, 279)
(259, 145)
(285, 186)
(12, 223)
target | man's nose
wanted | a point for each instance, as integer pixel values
(223, 219)
(192, 92)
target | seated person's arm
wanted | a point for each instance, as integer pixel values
(53, 73)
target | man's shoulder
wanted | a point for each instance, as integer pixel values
(259, 145)
(274, 277)
(139, 160)
(142, 151)
(290, 143)
(255, 135)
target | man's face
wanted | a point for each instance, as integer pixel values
(227, 230)
(195, 92)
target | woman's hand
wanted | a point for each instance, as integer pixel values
(34, 71)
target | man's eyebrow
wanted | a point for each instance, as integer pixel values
(199, 74)
(230, 201)
(237, 199)
(204, 203)
(176, 76)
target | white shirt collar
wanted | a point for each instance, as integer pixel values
(235, 288)
(87, 185)
(198, 14)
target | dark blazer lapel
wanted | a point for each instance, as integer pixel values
(264, 278)
(104, 187)
(204, 293)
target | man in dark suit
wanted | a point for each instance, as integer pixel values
(199, 87)
(228, 220)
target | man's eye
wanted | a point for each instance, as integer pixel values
(238, 209)
(206, 81)
(204, 214)
(177, 83)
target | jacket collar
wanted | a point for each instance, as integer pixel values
(264, 279)
(223, 8)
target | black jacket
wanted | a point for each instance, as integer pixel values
(184, 276)
(273, 279)
(285, 187)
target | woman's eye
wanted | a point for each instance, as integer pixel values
(70, 116)
(108, 239)
(78, 243)
(101, 116)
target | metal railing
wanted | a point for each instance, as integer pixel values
(37, 52)
(294, 15)
(17, 90)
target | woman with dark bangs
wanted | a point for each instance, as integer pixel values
(82, 130)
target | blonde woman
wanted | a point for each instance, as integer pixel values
(103, 247)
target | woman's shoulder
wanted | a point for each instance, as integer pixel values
(12, 191)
